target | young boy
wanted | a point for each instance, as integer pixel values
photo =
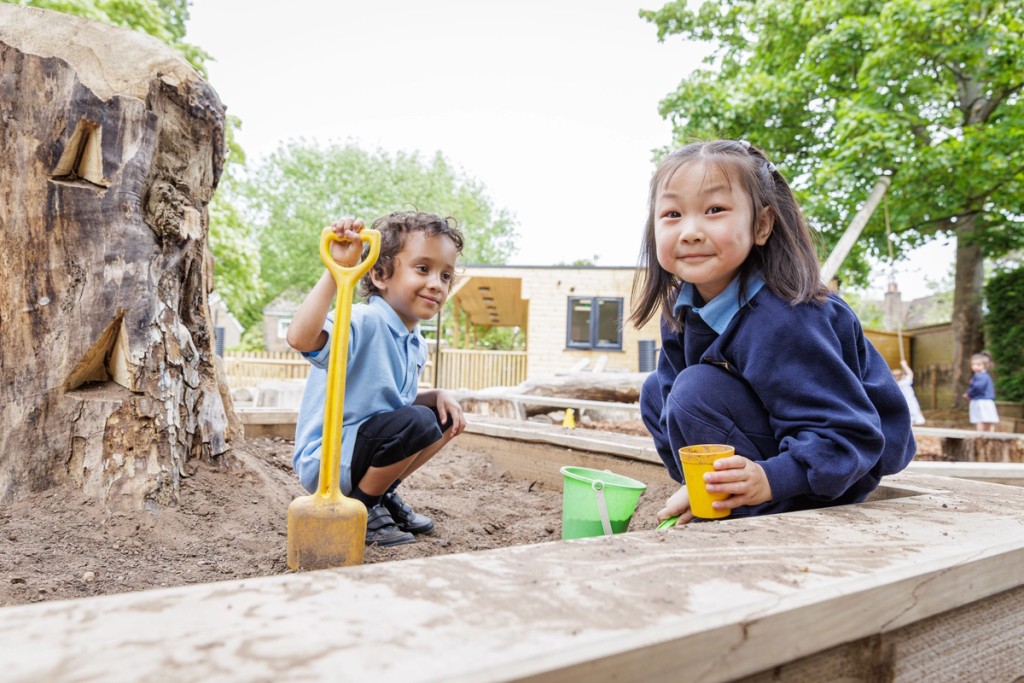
(390, 428)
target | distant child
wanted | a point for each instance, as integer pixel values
(905, 380)
(982, 392)
(390, 428)
(756, 353)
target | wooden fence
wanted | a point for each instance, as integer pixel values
(459, 368)
(252, 368)
(471, 369)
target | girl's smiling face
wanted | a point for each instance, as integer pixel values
(704, 227)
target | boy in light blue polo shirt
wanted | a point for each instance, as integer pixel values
(389, 428)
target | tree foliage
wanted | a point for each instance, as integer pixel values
(1005, 332)
(302, 187)
(236, 255)
(839, 92)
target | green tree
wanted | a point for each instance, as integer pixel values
(838, 93)
(236, 254)
(302, 187)
(1005, 324)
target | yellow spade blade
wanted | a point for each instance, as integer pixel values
(327, 529)
(325, 533)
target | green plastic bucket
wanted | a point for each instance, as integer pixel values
(597, 502)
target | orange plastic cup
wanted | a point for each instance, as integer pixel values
(697, 460)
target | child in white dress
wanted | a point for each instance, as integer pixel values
(905, 380)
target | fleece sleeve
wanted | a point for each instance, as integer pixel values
(809, 365)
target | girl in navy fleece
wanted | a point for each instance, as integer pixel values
(982, 393)
(756, 352)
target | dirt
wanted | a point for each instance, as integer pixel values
(231, 523)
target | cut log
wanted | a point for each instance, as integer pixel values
(617, 387)
(607, 387)
(111, 146)
(983, 449)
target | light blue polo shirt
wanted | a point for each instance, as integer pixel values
(385, 361)
(720, 311)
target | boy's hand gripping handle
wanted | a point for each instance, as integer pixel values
(346, 278)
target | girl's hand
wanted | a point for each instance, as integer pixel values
(741, 477)
(677, 504)
(347, 253)
(449, 407)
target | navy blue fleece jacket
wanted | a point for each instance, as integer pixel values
(838, 416)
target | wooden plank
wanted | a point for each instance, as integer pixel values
(621, 445)
(561, 402)
(944, 433)
(710, 602)
(281, 423)
(992, 472)
(267, 416)
(540, 462)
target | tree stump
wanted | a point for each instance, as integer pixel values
(111, 146)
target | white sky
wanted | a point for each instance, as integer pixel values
(551, 104)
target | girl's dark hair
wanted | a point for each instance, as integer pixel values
(394, 228)
(788, 261)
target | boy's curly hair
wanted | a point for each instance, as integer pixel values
(394, 228)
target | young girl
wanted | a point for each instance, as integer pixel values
(982, 393)
(756, 353)
(390, 428)
(904, 377)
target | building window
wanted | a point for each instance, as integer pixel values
(282, 327)
(594, 323)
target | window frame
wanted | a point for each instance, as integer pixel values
(593, 342)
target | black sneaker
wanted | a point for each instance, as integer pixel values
(404, 517)
(381, 530)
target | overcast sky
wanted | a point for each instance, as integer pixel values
(552, 105)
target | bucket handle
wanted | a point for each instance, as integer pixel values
(602, 506)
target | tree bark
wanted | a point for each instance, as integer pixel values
(968, 290)
(110, 149)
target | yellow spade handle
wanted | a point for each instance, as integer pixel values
(346, 278)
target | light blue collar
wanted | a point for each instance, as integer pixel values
(720, 311)
(394, 322)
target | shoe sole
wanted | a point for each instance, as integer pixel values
(388, 543)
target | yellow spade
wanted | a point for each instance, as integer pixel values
(326, 528)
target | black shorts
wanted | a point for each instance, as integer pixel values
(387, 438)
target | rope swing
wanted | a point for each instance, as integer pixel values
(892, 278)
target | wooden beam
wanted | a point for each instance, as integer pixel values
(880, 582)
(849, 237)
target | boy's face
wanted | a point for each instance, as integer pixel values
(978, 366)
(423, 274)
